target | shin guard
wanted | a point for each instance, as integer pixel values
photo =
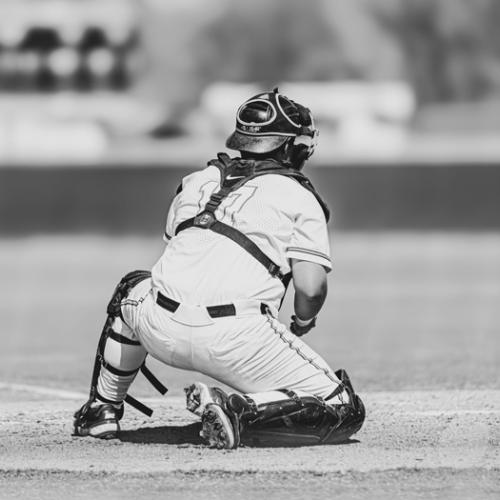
(104, 369)
(294, 419)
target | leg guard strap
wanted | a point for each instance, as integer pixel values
(116, 371)
(106, 400)
(138, 405)
(153, 380)
(122, 339)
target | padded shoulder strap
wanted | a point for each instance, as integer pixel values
(307, 184)
(221, 162)
(235, 172)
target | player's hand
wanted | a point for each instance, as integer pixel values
(300, 327)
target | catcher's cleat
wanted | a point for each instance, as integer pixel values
(199, 395)
(98, 420)
(217, 428)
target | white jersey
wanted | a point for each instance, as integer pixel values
(201, 267)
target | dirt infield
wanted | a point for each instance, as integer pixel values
(413, 443)
(413, 317)
(424, 484)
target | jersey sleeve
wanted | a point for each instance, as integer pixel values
(310, 240)
(171, 217)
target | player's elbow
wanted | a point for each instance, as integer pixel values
(309, 280)
(313, 292)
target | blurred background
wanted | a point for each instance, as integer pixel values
(97, 80)
(106, 104)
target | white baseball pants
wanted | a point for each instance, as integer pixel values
(250, 352)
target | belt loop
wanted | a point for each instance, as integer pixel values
(166, 302)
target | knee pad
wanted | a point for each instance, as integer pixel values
(122, 290)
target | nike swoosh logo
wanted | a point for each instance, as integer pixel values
(232, 177)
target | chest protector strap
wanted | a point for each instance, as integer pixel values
(234, 174)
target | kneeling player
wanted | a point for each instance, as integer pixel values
(237, 232)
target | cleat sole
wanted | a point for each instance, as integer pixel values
(217, 429)
(105, 430)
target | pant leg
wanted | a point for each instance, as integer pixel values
(163, 338)
(258, 354)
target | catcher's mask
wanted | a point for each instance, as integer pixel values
(267, 121)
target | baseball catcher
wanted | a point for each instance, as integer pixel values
(237, 232)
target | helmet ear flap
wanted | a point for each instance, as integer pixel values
(301, 153)
(305, 142)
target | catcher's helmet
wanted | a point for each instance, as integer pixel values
(267, 121)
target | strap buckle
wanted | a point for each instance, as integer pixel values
(274, 271)
(205, 220)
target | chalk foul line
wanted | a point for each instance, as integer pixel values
(73, 395)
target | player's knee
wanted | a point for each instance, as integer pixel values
(123, 289)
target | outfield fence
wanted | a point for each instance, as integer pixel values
(134, 199)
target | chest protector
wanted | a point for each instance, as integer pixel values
(235, 172)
